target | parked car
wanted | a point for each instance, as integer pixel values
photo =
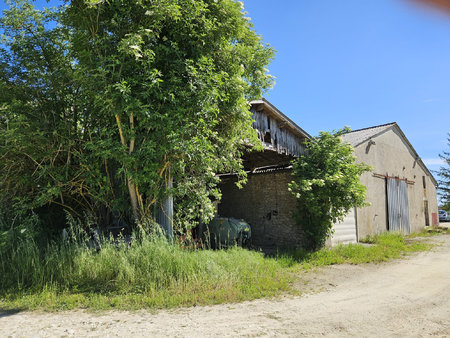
(443, 216)
(225, 232)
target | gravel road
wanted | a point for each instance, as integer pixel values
(407, 298)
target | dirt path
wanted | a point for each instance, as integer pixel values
(409, 297)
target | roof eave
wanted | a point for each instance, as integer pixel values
(416, 155)
(274, 110)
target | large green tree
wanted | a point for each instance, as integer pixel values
(444, 175)
(39, 129)
(139, 94)
(327, 185)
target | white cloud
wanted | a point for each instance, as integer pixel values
(429, 100)
(433, 161)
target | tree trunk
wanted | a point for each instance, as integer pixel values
(133, 199)
(132, 189)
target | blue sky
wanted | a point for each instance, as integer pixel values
(360, 64)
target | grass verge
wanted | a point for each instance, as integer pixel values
(431, 231)
(153, 274)
(375, 249)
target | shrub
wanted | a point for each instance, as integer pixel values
(326, 185)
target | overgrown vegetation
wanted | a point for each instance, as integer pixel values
(149, 273)
(431, 231)
(104, 103)
(327, 185)
(381, 248)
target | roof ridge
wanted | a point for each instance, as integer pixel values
(358, 137)
(373, 127)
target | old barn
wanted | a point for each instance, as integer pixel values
(264, 202)
(400, 189)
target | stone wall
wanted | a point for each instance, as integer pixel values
(267, 205)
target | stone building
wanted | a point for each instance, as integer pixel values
(264, 202)
(400, 189)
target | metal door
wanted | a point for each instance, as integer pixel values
(345, 232)
(398, 206)
(393, 208)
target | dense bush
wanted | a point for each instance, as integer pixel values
(103, 104)
(326, 185)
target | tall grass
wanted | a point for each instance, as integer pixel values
(149, 272)
(378, 248)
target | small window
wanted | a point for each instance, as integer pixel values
(424, 182)
(268, 122)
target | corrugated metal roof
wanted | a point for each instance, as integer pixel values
(271, 169)
(261, 170)
(356, 137)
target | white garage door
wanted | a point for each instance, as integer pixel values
(345, 232)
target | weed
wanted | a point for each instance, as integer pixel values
(431, 231)
(384, 247)
(149, 273)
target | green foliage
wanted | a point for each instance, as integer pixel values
(326, 185)
(152, 274)
(444, 174)
(16, 228)
(382, 248)
(173, 78)
(38, 125)
(147, 273)
(431, 231)
(99, 112)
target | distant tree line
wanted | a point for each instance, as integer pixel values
(444, 175)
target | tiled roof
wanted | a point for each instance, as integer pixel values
(356, 137)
